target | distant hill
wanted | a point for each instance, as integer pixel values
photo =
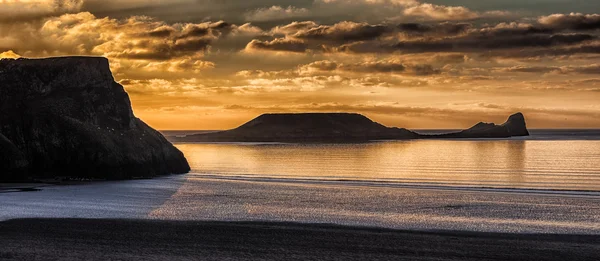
(305, 127)
(341, 127)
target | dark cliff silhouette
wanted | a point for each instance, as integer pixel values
(515, 126)
(67, 117)
(342, 127)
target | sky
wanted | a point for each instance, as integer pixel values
(215, 64)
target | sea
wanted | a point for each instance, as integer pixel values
(548, 182)
(548, 160)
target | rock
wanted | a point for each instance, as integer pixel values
(67, 117)
(12, 161)
(513, 127)
(342, 127)
(516, 125)
(305, 127)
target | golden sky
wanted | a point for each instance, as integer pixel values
(214, 64)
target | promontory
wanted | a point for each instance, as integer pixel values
(342, 127)
(67, 117)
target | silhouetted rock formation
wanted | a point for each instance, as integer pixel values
(68, 117)
(342, 127)
(513, 127)
(306, 127)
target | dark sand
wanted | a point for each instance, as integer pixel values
(78, 239)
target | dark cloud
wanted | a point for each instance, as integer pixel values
(438, 29)
(427, 37)
(393, 67)
(482, 110)
(529, 69)
(572, 21)
(512, 29)
(20, 11)
(344, 32)
(161, 32)
(279, 44)
(67, 5)
(171, 41)
(587, 69)
(468, 43)
(294, 27)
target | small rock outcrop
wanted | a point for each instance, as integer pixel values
(515, 126)
(305, 127)
(67, 117)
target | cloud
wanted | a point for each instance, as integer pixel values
(459, 113)
(294, 27)
(315, 35)
(276, 13)
(572, 21)
(343, 32)
(139, 44)
(279, 45)
(14, 10)
(585, 69)
(353, 37)
(441, 12)
(391, 67)
(373, 2)
(468, 43)
(442, 29)
(9, 55)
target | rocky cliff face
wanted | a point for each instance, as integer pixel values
(68, 117)
(516, 126)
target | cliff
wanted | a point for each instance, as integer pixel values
(305, 127)
(515, 126)
(67, 117)
(342, 127)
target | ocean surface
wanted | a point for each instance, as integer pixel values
(546, 183)
(548, 160)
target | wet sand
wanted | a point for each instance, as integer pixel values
(210, 198)
(86, 239)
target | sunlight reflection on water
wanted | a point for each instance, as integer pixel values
(564, 164)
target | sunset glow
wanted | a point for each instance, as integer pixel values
(205, 64)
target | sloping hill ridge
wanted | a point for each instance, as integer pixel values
(342, 127)
(301, 127)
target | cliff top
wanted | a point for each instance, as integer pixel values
(47, 75)
(55, 60)
(345, 121)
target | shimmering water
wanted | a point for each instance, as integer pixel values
(422, 184)
(527, 164)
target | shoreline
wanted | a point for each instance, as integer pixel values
(32, 186)
(203, 198)
(131, 239)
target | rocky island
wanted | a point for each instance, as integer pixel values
(515, 126)
(67, 117)
(342, 127)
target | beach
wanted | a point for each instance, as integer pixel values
(209, 198)
(102, 239)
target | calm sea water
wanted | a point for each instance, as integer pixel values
(423, 185)
(552, 160)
